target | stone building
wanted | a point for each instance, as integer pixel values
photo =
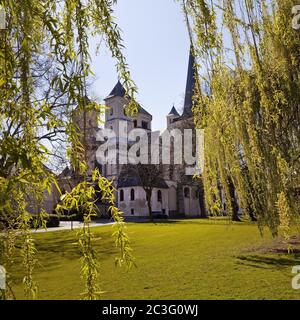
(174, 194)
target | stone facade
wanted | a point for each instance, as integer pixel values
(180, 194)
(174, 194)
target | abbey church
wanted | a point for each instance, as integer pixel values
(175, 193)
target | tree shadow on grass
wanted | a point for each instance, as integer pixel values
(165, 221)
(266, 262)
(191, 220)
(154, 221)
(55, 250)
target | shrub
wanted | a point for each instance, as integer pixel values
(52, 221)
(71, 217)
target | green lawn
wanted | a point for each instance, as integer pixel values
(194, 259)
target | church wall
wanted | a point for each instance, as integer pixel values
(143, 117)
(191, 202)
(116, 104)
(139, 205)
(115, 114)
(89, 139)
(172, 196)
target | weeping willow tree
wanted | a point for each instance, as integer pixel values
(249, 55)
(60, 31)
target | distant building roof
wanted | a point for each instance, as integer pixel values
(119, 91)
(190, 88)
(173, 112)
(190, 83)
(142, 110)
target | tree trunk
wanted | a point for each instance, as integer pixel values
(148, 198)
(251, 214)
(234, 204)
(202, 201)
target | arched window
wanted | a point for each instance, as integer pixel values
(132, 195)
(135, 123)
(159, 196)
(186, 192)
(121, 195)
(111, 111)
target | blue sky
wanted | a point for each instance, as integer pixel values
(157, 50)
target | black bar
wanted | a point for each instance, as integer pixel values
(155, 309)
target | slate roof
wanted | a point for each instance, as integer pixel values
(173, 112)
(190, 83)
(190, 87)
(119, 91)
(142, 110)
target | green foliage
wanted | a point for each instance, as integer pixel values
(29, 113)
(44, 220)
(251, 111)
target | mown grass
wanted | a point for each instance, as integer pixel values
(194, 259)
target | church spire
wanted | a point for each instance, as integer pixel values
(117, 91)
(190, 85)
(173, 112)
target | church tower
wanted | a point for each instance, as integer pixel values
(87, 126)
(190, 86)
(174, 119)
(173, 114)
(116, 103)
(117, 121)
(189, 192)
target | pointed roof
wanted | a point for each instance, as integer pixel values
(117, 91)
(142, 110)
(173, 112)
(190, 85)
